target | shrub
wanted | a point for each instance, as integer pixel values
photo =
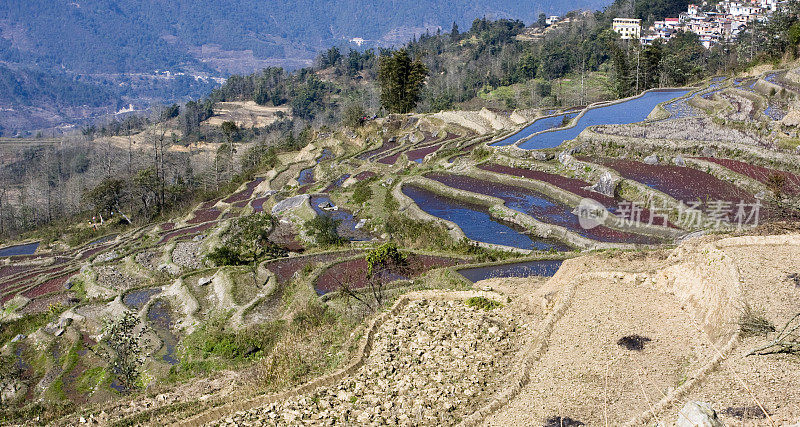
(324, 230)
(482, 303)
(246, 242)
(362, 192)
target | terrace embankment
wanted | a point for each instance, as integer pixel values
(618, 338)
(671, 335)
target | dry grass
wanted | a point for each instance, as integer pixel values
(753, 321)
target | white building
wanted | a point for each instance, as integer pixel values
(628, 28)
(550, 20)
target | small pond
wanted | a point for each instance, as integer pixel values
(138, 298)
(348, 228)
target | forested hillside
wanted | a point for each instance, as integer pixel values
(126, 47)
(112, 36)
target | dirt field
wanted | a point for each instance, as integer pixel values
(685, 308)
(246, 114)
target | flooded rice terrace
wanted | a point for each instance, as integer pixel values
(475, 222)
(544, 268)
(540, 207)
(630, 111)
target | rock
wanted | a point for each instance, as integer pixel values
(565, 157)
(415, 138)
(651, 160)
(542, 156)
(204, 281)
(108, 256)
(606, 185)
(68, 284)
(12, 391)
(429, 365)
(198, 238)
(361, 223)
(698, 414)
(59, 332)
(679, 161)
(169, 269)
(328, 206)
(392, 139)
(289, 204)
(18, 337)
(709, 152)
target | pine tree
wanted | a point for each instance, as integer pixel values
(401, 80)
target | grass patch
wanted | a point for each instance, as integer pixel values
(789, 143)
(91, 378)
(24, 325)
(214, 346)
(753, 322)
(482, 303)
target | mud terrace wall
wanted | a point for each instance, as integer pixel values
(365, 347)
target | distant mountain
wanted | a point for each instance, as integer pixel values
(112, 36)
(143, 51)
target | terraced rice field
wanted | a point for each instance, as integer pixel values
(758, 173)
(540, 207)
(354, 273)
(475, 221)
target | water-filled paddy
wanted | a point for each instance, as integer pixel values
(419, 154)
(546, 268)
(539, 125)
(540, 207)
(759, 173)
(138, 298)
(631, 111)
(353, 273)
(160, 318)
(474, 221)
(26, 249)
(347, 227)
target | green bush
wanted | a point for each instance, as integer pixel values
(324, 230)
(483, 303)
(246, 241)
(362, 192)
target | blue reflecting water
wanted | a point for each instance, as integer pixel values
(347, 228)
(539, 125)
(477, 225)
(306, 177)
(161, 319)
(327, 154)
(632, 111)
(28, 249)
(138, 298)
(546, 268)
(538, 206)
(774, 113)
